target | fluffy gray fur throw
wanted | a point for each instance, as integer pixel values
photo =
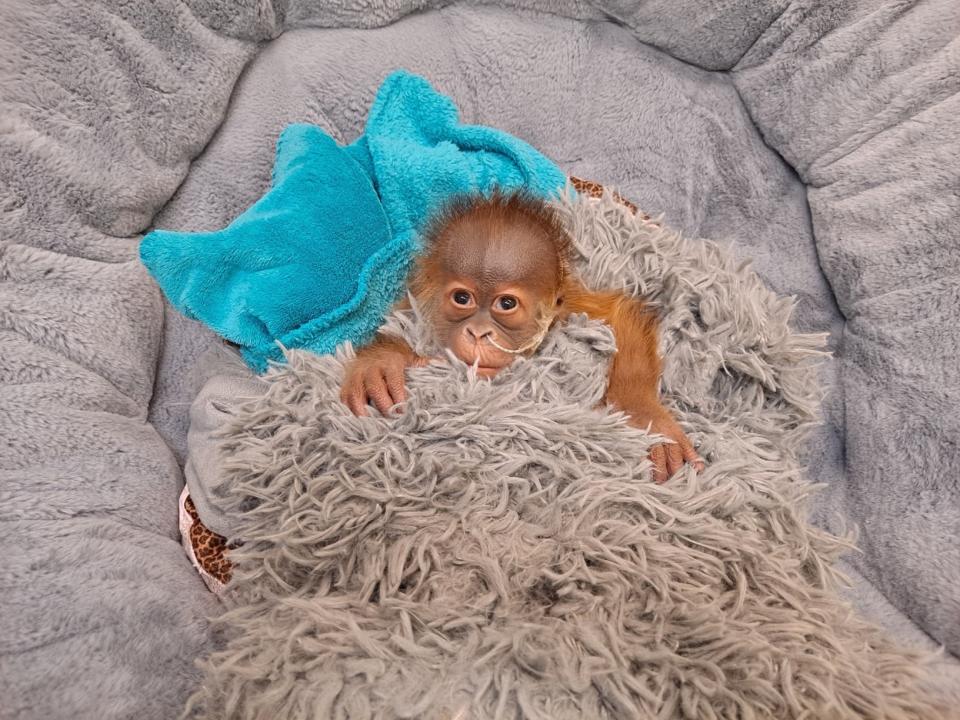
(498, 550)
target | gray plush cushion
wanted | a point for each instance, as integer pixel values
(101, 110)
(818, 136)
(867, 114)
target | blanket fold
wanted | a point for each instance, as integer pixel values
(323, 255)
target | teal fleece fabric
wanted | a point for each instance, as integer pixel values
(325, 253)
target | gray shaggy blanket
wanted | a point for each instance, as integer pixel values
(498, 550)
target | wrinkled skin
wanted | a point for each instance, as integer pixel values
(490, 288)
(491, 283)
(376, 376)
(669, 457)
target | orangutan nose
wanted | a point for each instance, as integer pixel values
(478, 334)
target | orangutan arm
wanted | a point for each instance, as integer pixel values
(633, 384)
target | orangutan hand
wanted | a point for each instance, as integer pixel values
(376, 376)
(667, 457)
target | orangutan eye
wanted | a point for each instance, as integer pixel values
(507, 302)
(461, 297)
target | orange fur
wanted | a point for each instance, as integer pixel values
(634, 381)
(548, 292)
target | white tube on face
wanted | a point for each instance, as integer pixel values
(545, 321)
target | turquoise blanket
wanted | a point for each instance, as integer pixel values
(325, 253)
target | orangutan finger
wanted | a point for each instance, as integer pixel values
(354, 395)
(674, 458)
(690, 453)
(658, 457)
(376, 385)
(396, 384)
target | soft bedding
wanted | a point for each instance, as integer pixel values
(816, 138)
(499, 550)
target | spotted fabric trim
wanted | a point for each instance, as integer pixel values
(593, 189)
(206, 549)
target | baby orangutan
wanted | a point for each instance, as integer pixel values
(494, 278)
